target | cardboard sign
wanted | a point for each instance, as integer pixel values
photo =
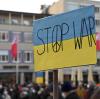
(65, 40)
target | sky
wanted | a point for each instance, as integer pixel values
(32, 6)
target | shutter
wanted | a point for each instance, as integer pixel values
(22, 36)
(10, 36)
(22, 56)
(9, 57)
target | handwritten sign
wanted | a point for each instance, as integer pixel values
(65, 40)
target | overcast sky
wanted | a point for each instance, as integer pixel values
(24, 5)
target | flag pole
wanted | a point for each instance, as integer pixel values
(17, 62)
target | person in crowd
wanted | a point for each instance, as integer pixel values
(16, 92)
(24, 94)
(6, 94)
(1, 96)
(91, 89)
(43, 92)
(96, 94)
(1, 88)
(50, 90)
(74, 84)
(85, 91)
(68, 92)
(80, 90)
(33, 94)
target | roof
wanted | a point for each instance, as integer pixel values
(27, 13)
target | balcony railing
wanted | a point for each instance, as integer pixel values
(15, 22)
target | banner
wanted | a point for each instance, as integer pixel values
(65, 40)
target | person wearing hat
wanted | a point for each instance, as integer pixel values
(68, 92)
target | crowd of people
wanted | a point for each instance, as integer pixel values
(66, 90)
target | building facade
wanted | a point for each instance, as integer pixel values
(69, 5)
(20, 24)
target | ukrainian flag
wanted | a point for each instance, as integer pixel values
(65, 40)
(40, 77)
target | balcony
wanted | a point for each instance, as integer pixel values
(16, 21)
(13, 27)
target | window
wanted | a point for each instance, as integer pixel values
(4, 20)
(3, 56)
(96, 9)
(97, 22)
(18, 34)
(28, 37)
(24, 67)
(9, 67)
(14, 59)
(26, 22)
(17, 59)
(15, 21)
(28, 56)
(4, 36)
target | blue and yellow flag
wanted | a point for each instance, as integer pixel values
(65, 40)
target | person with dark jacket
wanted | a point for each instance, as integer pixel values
(50, 90)
(68, 92)
(96, 94)
(16, 92)
(1, 96)
(34, 92)
(91, 89)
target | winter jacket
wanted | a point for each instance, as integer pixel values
(1, 96)
(6, 96)
(34, 96)
(50, 97)
(72, 95)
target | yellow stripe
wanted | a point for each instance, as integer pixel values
(67, 58)
(39, 80)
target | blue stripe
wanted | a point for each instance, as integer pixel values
(39, 74)
(57, 24)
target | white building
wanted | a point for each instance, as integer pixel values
(20, 23)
